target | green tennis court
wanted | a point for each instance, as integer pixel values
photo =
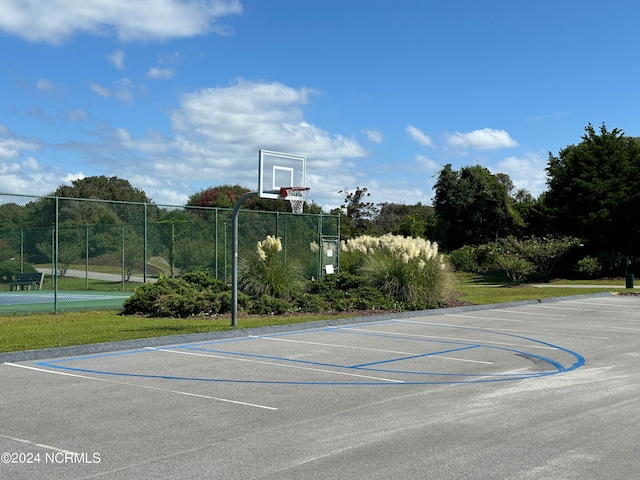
(44, 301)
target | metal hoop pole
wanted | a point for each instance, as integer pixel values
(234, 257)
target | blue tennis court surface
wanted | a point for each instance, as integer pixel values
(29, 297)
(38, 301)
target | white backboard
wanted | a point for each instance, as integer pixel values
(276, 170)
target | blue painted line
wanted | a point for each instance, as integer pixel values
(443, 378)
(580, 360)
(403, 337)
(410, 357)
(278, 382)
(270, 357)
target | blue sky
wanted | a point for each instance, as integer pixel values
(177, 96)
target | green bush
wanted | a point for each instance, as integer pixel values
(309, 302)
(335, 284)
(611, 263)
(175, 304)
(515, 267)
(9, 270)
(344, 292)
(464, 259)
(145, 296)
(192, 294)
(588, 267)
(204, 280)
(268, 305)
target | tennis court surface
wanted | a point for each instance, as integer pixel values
(43, 301)
(528, 391)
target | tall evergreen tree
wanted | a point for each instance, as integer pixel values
(472, 206)
(594, 190)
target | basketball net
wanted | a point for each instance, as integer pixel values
(296, 197)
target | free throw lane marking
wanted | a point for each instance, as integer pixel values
(333, 372)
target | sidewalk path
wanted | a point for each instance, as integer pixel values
(110, 277)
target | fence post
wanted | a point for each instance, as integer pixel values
(56, 247)
(86, 256)
(144, 245)
(234, 257)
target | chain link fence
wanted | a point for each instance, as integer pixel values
(92, 254)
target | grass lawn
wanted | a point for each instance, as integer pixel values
(487, 289)
(78, 328)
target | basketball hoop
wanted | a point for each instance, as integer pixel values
(296, 196)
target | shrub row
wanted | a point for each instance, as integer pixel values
(184, 297)
(537, 258)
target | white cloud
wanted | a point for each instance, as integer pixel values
(11, 146)
(55, 21)
(215, 138)
(527, 171)
(374, 136)
(28, 176)
(45, 85)
(76, 115)
(100, 90)
(419, 136)
(485, 139)
(117, 59)
(123, 91)
(216, 135)
(220, 130)
(160, 73)
(69, 178)
(425, 163)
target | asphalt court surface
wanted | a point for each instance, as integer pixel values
(539, 390)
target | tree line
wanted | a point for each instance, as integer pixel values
(592, 197)
(593, 189)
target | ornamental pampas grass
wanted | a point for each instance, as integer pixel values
(408, 269)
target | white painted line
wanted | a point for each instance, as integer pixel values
(351, 347)
(478, 317)
(377, 349)
(455, 339)
(528, 313)
(539, 332)
(560, 307)
(40, 445)
(486, 330)
(274, 364)
(225, 400)
(608, 304)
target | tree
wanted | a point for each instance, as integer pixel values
(594, 190)
(542, 253)
(226, 196)
(473, 206)
(356, 213)
(406, 220)
(103, 188)
(122, 199)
